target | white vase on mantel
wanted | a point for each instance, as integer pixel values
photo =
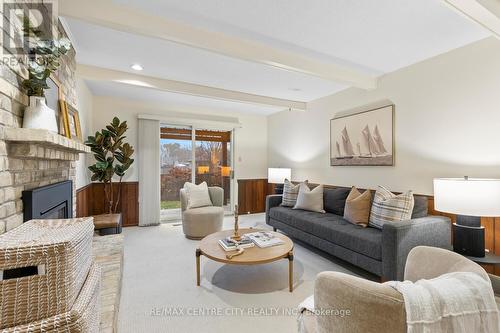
(39, 115)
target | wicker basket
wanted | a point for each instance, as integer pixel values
(82, 318)
(59, 251)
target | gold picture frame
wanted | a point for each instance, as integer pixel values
(61, 121)
(71, 120)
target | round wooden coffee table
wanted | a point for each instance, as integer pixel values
(210, 248)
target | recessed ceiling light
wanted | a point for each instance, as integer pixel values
(136, 67)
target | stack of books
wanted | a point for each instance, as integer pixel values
(262, 239)
(229, 245)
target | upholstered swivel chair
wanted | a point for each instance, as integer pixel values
(379, 307)
(202, 221)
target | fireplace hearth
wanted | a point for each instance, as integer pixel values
(53, 201)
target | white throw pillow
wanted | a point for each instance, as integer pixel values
(197, 195)
(311, 200)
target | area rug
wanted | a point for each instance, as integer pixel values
(159, 292)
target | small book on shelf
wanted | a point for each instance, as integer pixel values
(228, 244)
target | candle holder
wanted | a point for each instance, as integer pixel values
(236, 236)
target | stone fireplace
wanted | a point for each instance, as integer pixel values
(31, 158)
(36, 159)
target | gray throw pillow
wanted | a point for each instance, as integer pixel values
(311, 200)
(334, 200)
(421, 206)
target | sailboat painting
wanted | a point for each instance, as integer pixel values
(364, 138)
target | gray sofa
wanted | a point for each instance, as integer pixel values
(381, 252)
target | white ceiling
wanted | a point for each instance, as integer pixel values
(103, 47)
(381, 35)
(375, 36)
(175, 102)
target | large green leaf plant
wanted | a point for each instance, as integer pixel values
(113, 157)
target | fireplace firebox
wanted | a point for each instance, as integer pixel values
(53, 201)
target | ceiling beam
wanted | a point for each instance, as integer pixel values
(484, 12)
(120, 17)
(104, 74)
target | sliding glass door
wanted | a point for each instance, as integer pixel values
(176, 163)
(193, 155)
(213, 160)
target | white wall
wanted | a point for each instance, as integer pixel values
(447, 123)
(84, 107)
(250, 139)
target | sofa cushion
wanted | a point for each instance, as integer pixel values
(357, 207)
(290, 193)
(389, 207)
(311, 200)
(421, 207)
(334, 200)
(333, 228)
(197, 195)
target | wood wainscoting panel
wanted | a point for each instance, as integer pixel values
(98, 200)
(83, 196)
(496, 240)
(252, 195)
(489, 239)
(489, 232)
(130, 204)
(91, 200)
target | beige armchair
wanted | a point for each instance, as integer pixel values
(377, 307)
(200, 222)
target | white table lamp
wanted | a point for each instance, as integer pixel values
(470, 199)
(277, 176)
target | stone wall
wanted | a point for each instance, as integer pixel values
(27, 165)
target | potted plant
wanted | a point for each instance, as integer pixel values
(113, 157)
(44, 60)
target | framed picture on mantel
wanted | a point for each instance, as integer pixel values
(71, 120)
(363, 139)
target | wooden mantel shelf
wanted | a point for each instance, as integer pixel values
(44, 137)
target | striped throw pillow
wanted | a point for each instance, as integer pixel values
(388, 207)
(290, 193)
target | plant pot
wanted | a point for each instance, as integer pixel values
(39, 115)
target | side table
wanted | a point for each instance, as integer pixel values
(488, 259)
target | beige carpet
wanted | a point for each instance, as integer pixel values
(160, 294)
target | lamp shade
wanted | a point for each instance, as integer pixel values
(467, 196)
(278, 175)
